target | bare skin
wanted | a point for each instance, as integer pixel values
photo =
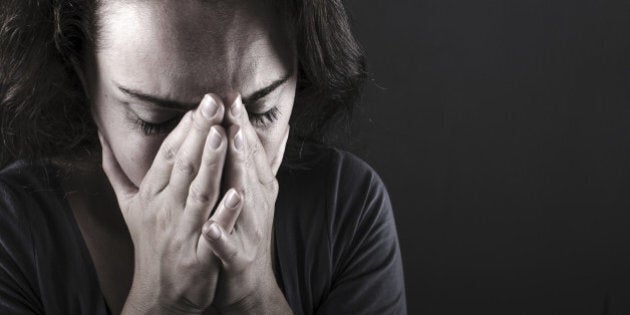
(150, 233)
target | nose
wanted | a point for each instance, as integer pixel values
(229, 98)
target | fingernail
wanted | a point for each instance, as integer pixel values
(213, 232)
(232, 200)
(209, 106)
(237, 106)
(238, 140)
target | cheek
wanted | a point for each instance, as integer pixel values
(271, 139)
(135, 155)
(269, 144)
(133, 151)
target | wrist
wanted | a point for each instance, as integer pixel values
(141, 301)
(265, 298)
(135, 308)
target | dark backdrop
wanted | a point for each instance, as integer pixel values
(501, 129)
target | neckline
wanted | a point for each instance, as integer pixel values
(52, 174)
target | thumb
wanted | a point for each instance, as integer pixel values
(123, 187)
(214, 242)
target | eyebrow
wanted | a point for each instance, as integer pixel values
(176, 105)
(252, 98)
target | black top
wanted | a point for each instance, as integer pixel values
(336, 243)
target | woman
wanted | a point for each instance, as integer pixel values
(189, 103)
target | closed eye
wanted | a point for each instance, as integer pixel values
(263, 120)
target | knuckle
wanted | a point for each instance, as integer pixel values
(199, 123)
(234, 211)
(243, 191)
(185, 166)
(145, 192)
(199, 195)
(232, 255)
(168, 152)
(240, 159)
(212, 161)
(272, 185)
(248, 163)
(151, 189)
(248, 259)
(256, 149)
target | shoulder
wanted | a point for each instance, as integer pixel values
(21, 186)
(351, 185)
(340, 194)
(338, 186)
(31, 208)
(346, 184)
(40, 245)
(356, 179)
(337, 169)
(360, 205)
(25, 188)
(345, 214)
(364, 244)
(27, 198)
(26, 173)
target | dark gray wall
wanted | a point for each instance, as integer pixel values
(502, 131)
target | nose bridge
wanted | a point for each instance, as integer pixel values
(229, 98)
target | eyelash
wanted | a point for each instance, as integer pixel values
(149, 128)
(261, 120)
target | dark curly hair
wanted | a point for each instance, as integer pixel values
(44, 112)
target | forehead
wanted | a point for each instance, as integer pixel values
(185, 48)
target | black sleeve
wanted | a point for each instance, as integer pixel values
(368, 274)
(18, 284)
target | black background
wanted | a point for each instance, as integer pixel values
(501, 129)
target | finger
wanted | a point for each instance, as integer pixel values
(254, 148)
(159, 174)
(209, 112)
(205, 252)
(277, 160)
(239, 171)
(228, 211)
(205, 188)
(217, 241)
(122, 185)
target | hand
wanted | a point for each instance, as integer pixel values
(175, 269)
(247, 280)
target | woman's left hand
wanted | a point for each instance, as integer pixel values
(247, 283)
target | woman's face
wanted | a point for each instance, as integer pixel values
(156, 59)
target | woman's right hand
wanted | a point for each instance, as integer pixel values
(175, 269)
